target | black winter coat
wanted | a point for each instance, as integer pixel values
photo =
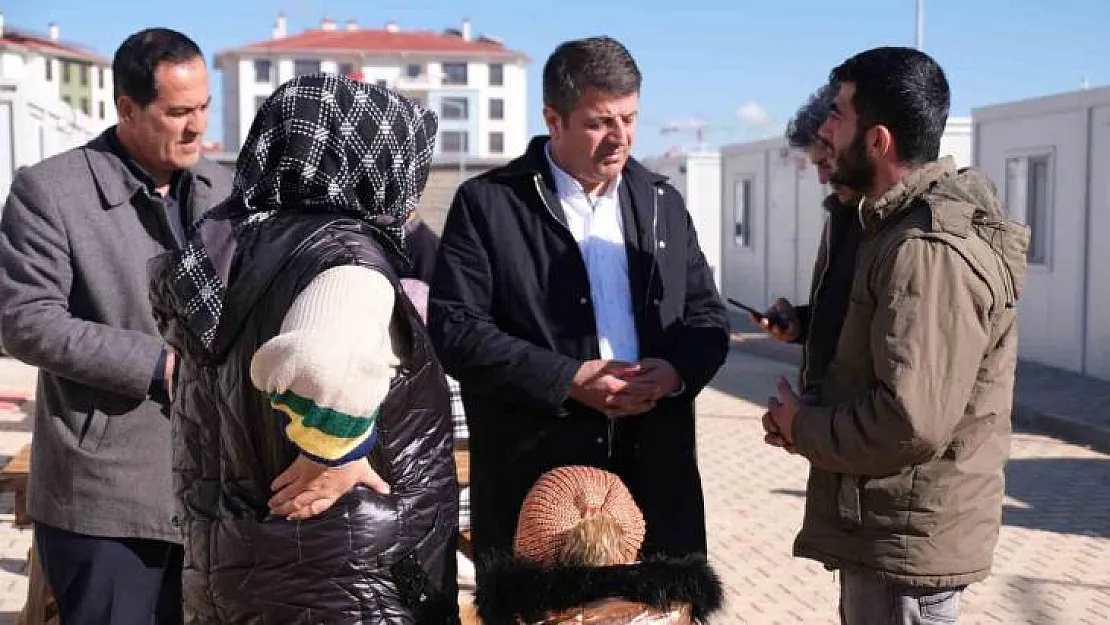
(511, 319)
(370, 558)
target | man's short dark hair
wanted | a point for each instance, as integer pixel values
(139, 56)
(903, 89)
(801, 131)
(599, 63)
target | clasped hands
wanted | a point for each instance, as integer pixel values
(621, 389)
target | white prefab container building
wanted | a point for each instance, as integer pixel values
(771, 217)
(33, 127)
(697, 177)
(1050, 158)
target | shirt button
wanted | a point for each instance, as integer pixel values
(656, 302)
(600, 440)
(584, 301)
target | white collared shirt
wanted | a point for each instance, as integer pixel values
(598, 228)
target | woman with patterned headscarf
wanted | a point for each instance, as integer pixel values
(312, 425)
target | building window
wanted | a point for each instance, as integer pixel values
(84, 71)
(263, 70)
(745, 211)
(101, 110)
(67, 72)
(497, 143)
(100, 77)
(413, 71)
(496, 108)
(67, 100)
(346, 69)
(259, 100)
(1029, 201)
(49, 69)
(453, 142)
(454, 73)
(454, 108)
(496, 74)
(304, 67)
(85, 106)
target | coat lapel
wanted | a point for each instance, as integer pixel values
(200, 198)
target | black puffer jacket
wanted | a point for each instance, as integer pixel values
(368, 559)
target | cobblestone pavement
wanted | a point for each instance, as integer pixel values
(1052, 565)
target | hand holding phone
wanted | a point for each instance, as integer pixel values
(751, 311)
(777, 321)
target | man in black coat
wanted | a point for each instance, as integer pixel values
(572, 302)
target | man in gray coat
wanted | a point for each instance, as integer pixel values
(75, 237)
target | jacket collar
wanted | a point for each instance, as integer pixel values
(902, 195)
(640, 184)
(118, 183)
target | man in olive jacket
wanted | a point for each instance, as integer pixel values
(77, 232)
(911, 430)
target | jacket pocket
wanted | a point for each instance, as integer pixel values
(93, 425)
(418, 574)
(338, 547)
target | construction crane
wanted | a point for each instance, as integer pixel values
(699, 128)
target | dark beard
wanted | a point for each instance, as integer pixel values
(853, 169)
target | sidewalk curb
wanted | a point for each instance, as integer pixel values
(1063, 427)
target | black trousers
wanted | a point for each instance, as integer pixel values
(111, 581)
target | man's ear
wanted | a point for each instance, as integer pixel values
(553, 120)
(880, 142)
(126, 108)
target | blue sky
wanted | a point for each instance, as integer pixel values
(743, 65)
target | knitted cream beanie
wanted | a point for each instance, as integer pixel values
(563, 499)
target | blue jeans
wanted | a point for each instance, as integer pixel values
(865, 599)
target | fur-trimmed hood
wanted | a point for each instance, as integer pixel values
(512, 590)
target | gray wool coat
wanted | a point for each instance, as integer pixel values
(75, 237)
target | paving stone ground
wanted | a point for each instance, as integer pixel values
(1052, 565)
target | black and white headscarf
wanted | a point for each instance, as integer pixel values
(326, 143)
(320, 143)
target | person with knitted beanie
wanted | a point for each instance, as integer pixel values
(576, 559)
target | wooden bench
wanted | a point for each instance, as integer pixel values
(13, 479)
(40, 608)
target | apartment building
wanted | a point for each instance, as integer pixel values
(44, 66)
(476, 85)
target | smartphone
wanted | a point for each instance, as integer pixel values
(774, 319)
(758, 315)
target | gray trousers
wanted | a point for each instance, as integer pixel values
(867, 600)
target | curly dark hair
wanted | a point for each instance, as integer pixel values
(801, 132)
